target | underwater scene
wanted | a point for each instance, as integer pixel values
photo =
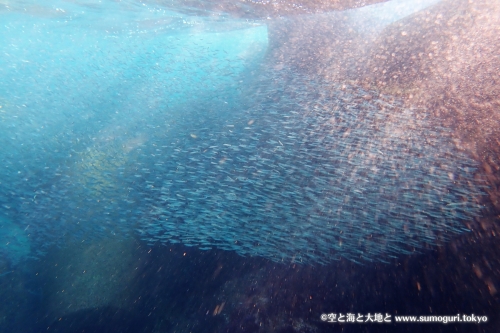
(204, 166)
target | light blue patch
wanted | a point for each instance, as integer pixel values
(14, 242)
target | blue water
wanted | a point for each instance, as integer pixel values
(157, 165)
(168, 127)
(77, 85)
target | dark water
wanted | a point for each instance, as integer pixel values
(178, 289)
(219, 167)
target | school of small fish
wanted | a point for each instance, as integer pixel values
(202, 145)
(311, 173)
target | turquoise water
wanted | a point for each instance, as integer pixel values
(179, 129)
(160, 164)
(82, 86)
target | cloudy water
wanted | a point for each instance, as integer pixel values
(248, 166)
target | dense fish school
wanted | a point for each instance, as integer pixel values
(311, 173)
(203, 145)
